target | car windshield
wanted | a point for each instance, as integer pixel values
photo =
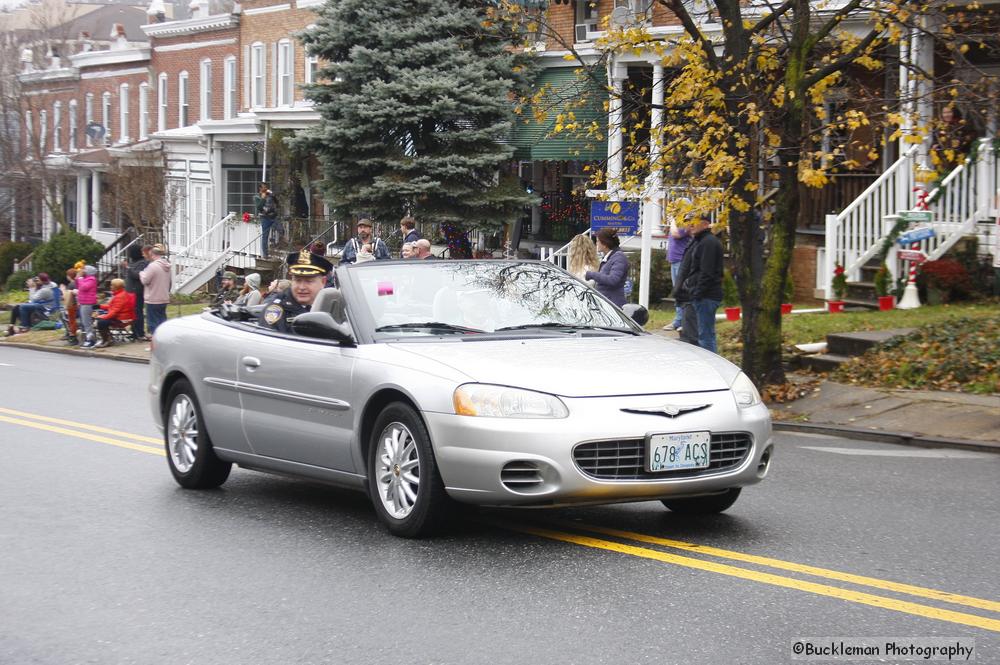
(474, 297)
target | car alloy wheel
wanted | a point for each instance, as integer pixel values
(182, 433)
(398, 470)
(190, 454)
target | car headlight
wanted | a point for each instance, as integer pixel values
(479, 399)
(745, 391)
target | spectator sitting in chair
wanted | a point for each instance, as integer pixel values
(119, 312)
(42, 299)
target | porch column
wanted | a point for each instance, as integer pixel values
(652, 204)
(616, 76)
(46, 217)
(95, 202)
(923, 58)
(82, 224)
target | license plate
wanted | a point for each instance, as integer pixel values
(684, 450)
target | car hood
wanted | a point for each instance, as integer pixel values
(584, 366)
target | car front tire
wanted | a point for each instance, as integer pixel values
(703, 505)
(403, 479)
(190, 456)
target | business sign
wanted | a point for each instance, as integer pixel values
(916, 235)
(622, 216)
(912, 255)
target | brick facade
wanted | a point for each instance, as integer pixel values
(268, 23)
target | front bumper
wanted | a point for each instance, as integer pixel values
(479, 457)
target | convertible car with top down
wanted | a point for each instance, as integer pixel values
(426, 383)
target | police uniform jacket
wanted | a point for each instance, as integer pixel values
(277, 313)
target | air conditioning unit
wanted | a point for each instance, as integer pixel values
(585, 32)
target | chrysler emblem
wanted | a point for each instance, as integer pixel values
(669, 410)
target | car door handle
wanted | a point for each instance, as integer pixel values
(251, 362)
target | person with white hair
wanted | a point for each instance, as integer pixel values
(406, 252)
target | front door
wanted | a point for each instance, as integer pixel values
(296, 401)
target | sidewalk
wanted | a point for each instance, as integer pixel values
(928, 418)
(922, 418)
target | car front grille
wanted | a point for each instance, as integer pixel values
(625, 459)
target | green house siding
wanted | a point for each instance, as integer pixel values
(566, 91)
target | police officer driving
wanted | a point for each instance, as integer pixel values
(308, 274)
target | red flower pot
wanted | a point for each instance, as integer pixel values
(732, 314)
(835, 306)
(885, 303)
(786, 308)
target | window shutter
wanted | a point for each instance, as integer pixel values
(274, 74)
(246, 78)
(291, 73)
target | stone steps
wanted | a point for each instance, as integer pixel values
(841, 347)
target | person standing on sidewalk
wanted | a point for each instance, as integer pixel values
(156, 279)
(680, 238)
(704, 280)
(86, 299)
(137, 262)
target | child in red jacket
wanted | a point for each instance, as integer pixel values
(120, 312)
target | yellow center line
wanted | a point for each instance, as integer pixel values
(92, 428)
(906, 607)
(84, 435)
(932, 594)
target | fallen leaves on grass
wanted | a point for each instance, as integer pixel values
(787, 392)
(960, 355)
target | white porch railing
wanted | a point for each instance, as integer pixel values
(963, 198)
(226, 239)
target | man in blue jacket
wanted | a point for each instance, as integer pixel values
(703, 279)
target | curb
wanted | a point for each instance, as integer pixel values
(74, 352)
(902, 438)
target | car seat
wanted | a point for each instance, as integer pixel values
(331, 301)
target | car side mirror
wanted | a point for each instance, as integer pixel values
(321, 325)
(637, 313)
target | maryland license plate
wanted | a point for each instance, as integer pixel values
(684, 450)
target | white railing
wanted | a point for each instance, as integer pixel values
(965, 196)
(854, 236)
(559, 256)
(209, 247)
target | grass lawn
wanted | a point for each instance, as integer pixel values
(805, 328)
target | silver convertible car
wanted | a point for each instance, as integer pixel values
(431, 383)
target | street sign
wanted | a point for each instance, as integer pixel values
(912, 255)
(622, 216)
(917, 216)
(916, 235)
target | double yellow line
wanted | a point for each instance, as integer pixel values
(623, 544)
(83, 431)
(830, 591)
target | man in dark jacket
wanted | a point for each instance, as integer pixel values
(703, 280)
(682, 299)
(137, 262)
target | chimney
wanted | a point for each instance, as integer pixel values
(118, 40)
(85, 44)
(157, 12)
(53, 55)
(237, 8)
(27, 60)
(199, 8)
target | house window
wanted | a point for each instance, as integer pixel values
(123, 113)
(286, 76)
(312, 68)
(182, 99)
(205, 90)
(143, 111)
(587, 19)
(57, 127)
(161, 99)
(43, 130)
(241, 186)
(106, 116)
(258, 71)
(74, 140)
(29, 128)
(88, 116)
(229, 88)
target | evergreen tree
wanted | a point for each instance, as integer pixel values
(416, 101)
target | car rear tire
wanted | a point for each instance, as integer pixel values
(403, 479)
(190, 456)
(703, 505)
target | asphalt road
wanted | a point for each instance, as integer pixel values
(103, 559)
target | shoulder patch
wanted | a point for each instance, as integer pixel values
(273, 314)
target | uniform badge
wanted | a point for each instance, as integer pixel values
(305, 258)
(273, 314)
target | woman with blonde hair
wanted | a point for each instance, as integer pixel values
(582, 257)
